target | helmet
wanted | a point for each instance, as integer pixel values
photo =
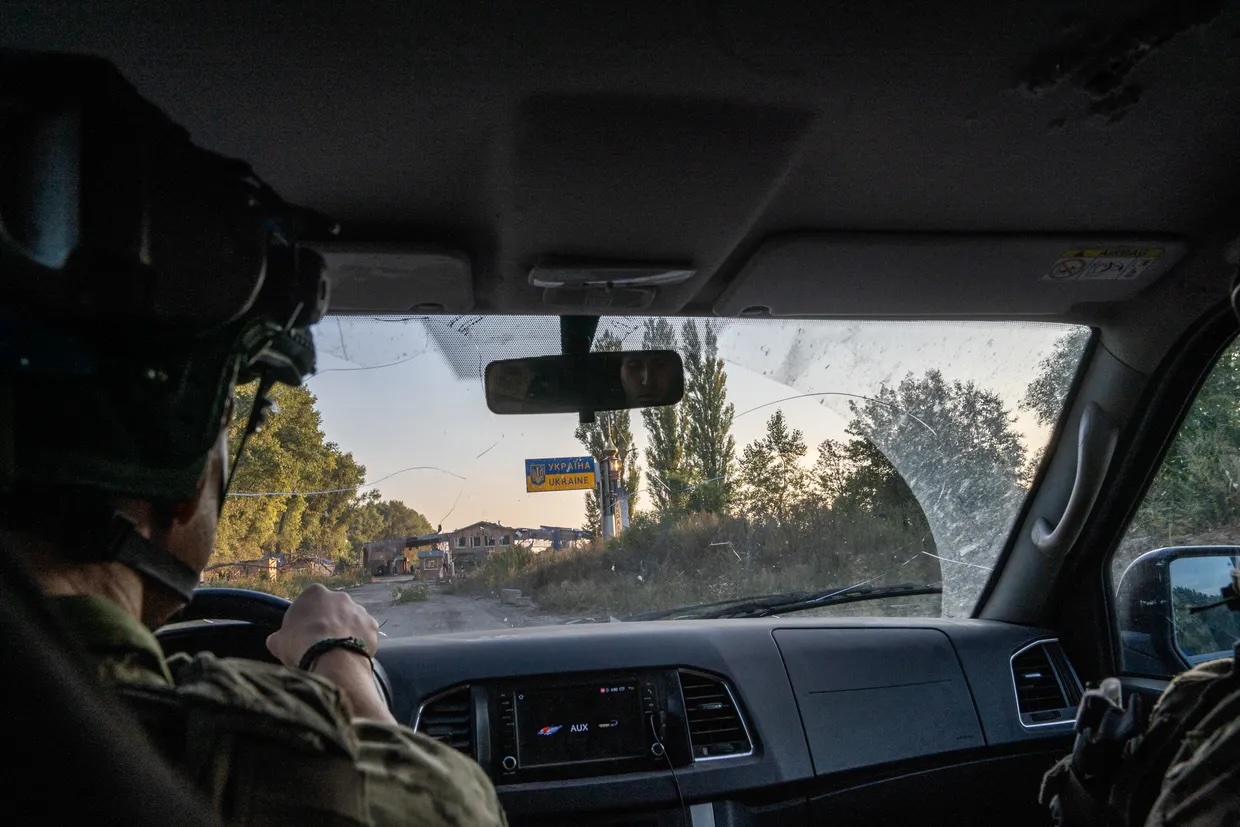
(141, 278)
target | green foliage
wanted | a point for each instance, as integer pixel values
(832, 470)
(857, 478)
(593, 523)
(291, 454)
(1046, 393)
(660, 563)
(691, 454)
(666, 464)
(710, 450)
(375, 519)
(415, 593)
(611, 428)
(855, 516)
(952, 436)
(502, 566)
(772, 479)
(292, 586)
(1198, 487)
(931, 467)
(955, 448)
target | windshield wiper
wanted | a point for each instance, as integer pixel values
(776, 604)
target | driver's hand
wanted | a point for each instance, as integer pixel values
(317, 614)
(320, 613)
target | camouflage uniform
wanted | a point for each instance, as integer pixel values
(1182, 771)
(1193, 743)
(270, 745)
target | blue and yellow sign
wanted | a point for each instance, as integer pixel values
(562, 474)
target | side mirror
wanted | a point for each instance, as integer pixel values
(598, 381)
(1159, 633)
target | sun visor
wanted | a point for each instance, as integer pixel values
(397, 278)
(875, 274)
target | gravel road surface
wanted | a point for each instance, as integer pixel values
(442, 612)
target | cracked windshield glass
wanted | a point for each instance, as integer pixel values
(826, 468)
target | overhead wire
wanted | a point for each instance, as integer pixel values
(344, 489)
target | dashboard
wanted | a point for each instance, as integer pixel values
(759, 721)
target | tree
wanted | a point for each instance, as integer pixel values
(284, 464)
(306, 497)
(954, 446)
(325, 520)
(366, 522)
(593, 523)
(1198, 487)
(376, 519)
(665, 428)
(831, 472)
(1047, 392)
(772, 480)
(402, 521)
(612, 428)
(857, 478)
(710, 450)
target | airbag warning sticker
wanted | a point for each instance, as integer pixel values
(1103, 263)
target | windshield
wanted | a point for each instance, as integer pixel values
(805, 457)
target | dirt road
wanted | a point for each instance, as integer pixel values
(442, 612)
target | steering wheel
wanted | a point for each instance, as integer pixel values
(235, 623)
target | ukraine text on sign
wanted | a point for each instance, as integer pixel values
(559, 474)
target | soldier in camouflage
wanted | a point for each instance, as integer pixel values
(116, 396)
(1178, 768)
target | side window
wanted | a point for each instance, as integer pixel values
(1184, 542)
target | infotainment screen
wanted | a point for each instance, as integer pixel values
(574, 724)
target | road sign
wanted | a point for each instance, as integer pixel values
(559, 474)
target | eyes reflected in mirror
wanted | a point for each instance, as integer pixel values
(600, 381)
(651, 376)
(1199, 581)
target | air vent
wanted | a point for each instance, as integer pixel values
(449, 719)
(1047, 689)
(716, 728)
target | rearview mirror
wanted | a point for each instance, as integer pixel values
(1159, 633)
(599, 381)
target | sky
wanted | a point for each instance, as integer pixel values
(405, 397)
(1204, 574)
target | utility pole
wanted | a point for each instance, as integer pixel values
(621, 498)
(608, 484)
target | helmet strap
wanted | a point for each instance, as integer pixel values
(125, 544)
(96, 532)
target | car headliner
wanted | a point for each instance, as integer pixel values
(691, 132)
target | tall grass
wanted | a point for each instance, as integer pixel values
(659, 564)
(292, 585)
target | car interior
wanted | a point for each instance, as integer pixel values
(903, 162)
